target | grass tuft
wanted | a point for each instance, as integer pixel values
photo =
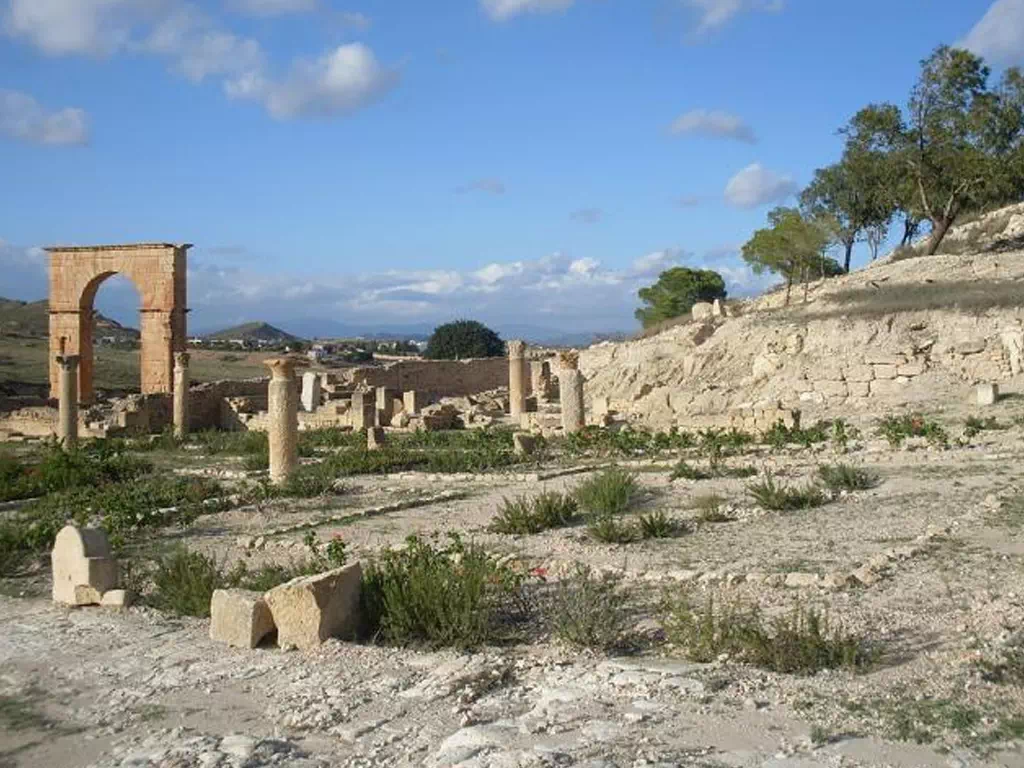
(843, 477)
(587, 610)
(525, 515)
(780, 498)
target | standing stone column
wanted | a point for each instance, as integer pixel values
(67, 418)
(310, 391)
(570, 389)
(283, 413)
(516, 378)
(181, 385)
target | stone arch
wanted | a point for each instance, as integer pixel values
(158, 271)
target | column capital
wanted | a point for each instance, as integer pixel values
(284, 367)
(68, 362)
(569, 360)
(181, 359)
(516, 348)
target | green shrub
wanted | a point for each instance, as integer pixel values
(455, 595)
(243, 443)
(896, 429)
(625, 441)
(610, 530)
(53, 469)
(526, 515)
(973, 425)
(843, 477)
(800, 642)
(779, 498)
(657, 525)
(586, 611)
(609, 493)
(463, 339)
(184, 582)
(779, 435)
(684, 471)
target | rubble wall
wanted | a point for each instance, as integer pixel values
(453, 378)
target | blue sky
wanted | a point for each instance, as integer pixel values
(525, 162)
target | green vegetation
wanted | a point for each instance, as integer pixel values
(657, 525)
(587, 610)
(896, 429)
(53, 469)
(792, 246)
(843, 477)
(675, 293)
(973, 425)
(526, 515)
(710, 509)
(780, 498)
(611, 492)
(627, 441)
(800, 642)
(463, 339)
(456, 595)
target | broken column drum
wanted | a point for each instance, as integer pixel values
(181, 385)
(516, 378)
(570, 388)
(283, 418)
(67, 421)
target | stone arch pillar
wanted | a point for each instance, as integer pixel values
(158, 271)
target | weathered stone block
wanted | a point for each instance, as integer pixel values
(525, 444)
(911, 369)
(83, 568)
(884, 358)
(886, 371)
(310, 391)
(885, 387)
(702, 311)
(859, 389)
(415, 401)
(988, 394)
(971, 347)
(310, 609)
(239, 617)
(860, 374)
(831, 388)
(376, 437)
(117, 598)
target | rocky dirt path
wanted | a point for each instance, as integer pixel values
(140, 689)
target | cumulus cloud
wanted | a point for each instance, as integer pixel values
(653, 264)
(272, 7)
(502, 10)
(24, 119)
(713, 14)
(713, 123)
(755, 185)
(587, 215)
(490, 186)
(999, 34)
(336, 83)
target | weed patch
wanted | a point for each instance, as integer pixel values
(612, 492)
(896, 429)
(780, 498)
(843, 477)
(525, 515)
(657, 525)
(711, 509)
(586, 610)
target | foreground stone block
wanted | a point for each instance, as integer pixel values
(310, 609)
(702, 310)
(525, 445)
(988, 394)
(116, 598)
(83, 568)
(376, 437)
(239, 617)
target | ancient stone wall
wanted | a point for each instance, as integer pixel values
(442, 377)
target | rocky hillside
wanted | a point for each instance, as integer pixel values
(901, 332)
(257, 332)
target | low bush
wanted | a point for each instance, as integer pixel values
(973, 425)
(608, 529)
(780, 498)
(243, 443)
(803, 641)
(685, 471)
(627, 441)
(454, 595)
(526, 515)
(657, 525)
(779, 435)
(612, 492)
(586, 610)
(896, 429)
(843, 477)
(54, 469)
(184, 583)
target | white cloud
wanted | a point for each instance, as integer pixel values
(713, 123)
(712, 14)
(502, 10)
(490, 186)
(653, 264)
(587, 215)
(999, 35)
(25, 119)
(337, 83)
(755, 185)
(272, 7)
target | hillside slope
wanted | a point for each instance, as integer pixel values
(920, 330)
(254, 332)
(31, 318)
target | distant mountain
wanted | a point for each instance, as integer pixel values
(32, 318)
(254, 332)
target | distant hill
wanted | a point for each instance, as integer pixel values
(31, 318)
(254, 332)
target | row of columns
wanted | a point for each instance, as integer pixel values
(570, 381)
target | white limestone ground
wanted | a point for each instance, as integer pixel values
(941, 533)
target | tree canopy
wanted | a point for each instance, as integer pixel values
(675, 293)
(463, 339)
(792, 246)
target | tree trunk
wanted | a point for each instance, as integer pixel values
(849, 253)
(939, 229)
(910, 227)
(789, 288)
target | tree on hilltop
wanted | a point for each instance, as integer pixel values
(792, 247)
(675, 293)
(463, 339)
